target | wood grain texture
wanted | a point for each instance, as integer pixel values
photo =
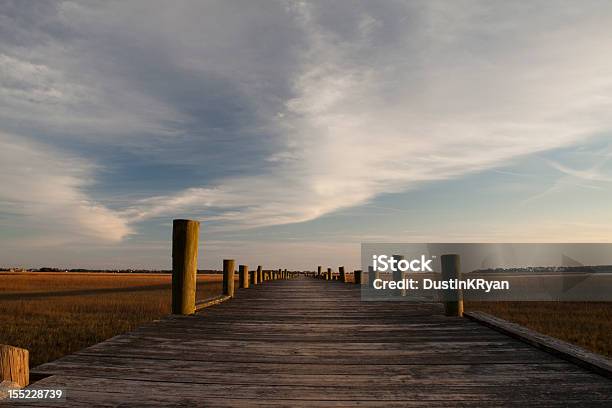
(228, 277)
(14, 365)
(313, 343)
(243, 276)
(203, 304)
(185, 234)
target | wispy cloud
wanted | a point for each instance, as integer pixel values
(272, 113)
(43, 190)
(592, 174)
(374, 114)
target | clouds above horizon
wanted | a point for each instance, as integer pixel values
(276, 112)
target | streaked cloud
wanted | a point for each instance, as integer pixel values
(43, 192)
(367, 117)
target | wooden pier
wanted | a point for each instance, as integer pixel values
(313, 342)
(293, 340)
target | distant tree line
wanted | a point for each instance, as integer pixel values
(52, 269)
(585, 268)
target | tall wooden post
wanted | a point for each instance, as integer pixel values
(318, 272)
(260, 274)
(357, 277)
(329, 274)
(243, 276)
(397, 274)
(184, 265)
(453, 298)
(228, 277)
(14, 365)
(342, 274)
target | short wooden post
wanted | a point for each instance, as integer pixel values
(260, 274)
(243, 276)
(329, 274)
(357, 277)
(184, 265)
(372, 276)
(14, 365)
(228, 277)
(280, 273)
(342, 274)
(453, 298)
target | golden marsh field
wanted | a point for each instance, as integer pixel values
(586, 324)
(53, 314)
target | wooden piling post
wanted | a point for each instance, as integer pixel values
(372, 276)
(453, 298)
(318, 272)
(329, 274)
(184, 265)
(357, 277)
(342, 276)
(14, 365)
(397, 274)
(243, 276)
(259, 274)
(228, 277)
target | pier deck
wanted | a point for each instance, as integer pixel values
(310, 342)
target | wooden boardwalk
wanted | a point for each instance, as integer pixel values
(309, 342)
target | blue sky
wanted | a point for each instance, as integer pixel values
(296, 130)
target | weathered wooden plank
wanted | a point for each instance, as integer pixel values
(126, 392)
(203, 304)
(330, 357)
(324, 375)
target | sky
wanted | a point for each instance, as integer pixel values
(296, 130)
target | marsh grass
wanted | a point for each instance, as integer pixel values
(586, 324)
(53, 314)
